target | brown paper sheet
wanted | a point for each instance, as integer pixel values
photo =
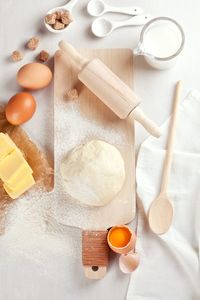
(42, 171)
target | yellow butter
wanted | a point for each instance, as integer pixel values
(15, 172)
(22, 172)
(22, 186)
(6, 145)
(12, 165)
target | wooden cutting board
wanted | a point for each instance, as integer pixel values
(121, 210)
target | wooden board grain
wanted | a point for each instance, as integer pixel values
(121, 210)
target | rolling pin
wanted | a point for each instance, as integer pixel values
(109, 88)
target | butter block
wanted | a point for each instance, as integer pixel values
(15, 172)
(6, 145)
(22, 172)
(23, 185)
(11, 166)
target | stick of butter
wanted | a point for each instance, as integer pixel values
(23, 185)
(21, 172)
(13, 166)
(15, 172)
(6, 145)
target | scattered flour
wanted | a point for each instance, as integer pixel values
(72, 129)
(31, 233)
(35, 227)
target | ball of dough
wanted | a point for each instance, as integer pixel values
(93, 173)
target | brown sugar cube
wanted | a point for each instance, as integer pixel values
(50, 19)
(58, 25)
(43, 56)
(17, 55)
(59, 14)
(72, 94)
(66, 18)
(33, 43)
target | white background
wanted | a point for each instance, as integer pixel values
(21, 20)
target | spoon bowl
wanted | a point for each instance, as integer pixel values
(96, 8)
(101, 27)
(49, 27)
(160, 215)
(65, 8)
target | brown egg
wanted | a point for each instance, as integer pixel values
(20, 108)
(34, 76)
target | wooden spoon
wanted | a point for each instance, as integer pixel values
(161, 209)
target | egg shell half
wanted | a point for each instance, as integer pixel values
(129, 262)
(130, 244)
(20, 108)
(34, 76)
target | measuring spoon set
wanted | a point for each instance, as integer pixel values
(161, 40)
(102, 27)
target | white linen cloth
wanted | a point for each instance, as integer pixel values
(169, 268)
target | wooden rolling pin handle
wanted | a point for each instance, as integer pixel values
(109, 88)
(79, 60)
(148, 124)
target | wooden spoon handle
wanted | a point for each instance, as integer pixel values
(171, 138)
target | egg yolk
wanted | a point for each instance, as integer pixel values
(119, 237)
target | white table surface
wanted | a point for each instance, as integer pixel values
(21, 20)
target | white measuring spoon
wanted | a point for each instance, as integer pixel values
(102, 27)
(68, 7)
(97, 8)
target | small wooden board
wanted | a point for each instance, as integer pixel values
(120, 210)
(95, 253)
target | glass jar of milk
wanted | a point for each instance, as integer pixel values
(161, 42)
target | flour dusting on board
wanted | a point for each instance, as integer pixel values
(72, 129)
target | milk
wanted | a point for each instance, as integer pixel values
(162, 40)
